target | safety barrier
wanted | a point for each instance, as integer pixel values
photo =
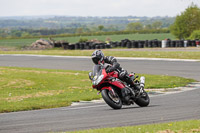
(126, 43)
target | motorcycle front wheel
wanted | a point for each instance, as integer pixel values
(112, 98)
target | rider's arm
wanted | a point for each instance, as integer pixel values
(113, 61)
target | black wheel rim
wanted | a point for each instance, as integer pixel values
(113, 96)
(144, 96)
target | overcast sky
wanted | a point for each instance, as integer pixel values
(94, 7)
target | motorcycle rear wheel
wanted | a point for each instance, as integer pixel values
(113, 101)
(143, 101)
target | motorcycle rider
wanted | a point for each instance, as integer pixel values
(98, 57)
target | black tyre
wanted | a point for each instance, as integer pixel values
(113, 101)
(144, 100)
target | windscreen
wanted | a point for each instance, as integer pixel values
(97, 70)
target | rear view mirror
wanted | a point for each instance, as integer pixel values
(90, 75)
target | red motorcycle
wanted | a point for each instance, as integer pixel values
(110, 87)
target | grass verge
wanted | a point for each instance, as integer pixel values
(116, 53)
(190, 126)
(30, 88)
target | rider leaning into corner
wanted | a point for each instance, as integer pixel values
(99, 58)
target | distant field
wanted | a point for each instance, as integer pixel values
(22, 42)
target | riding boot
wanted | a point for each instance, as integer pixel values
(129, 81)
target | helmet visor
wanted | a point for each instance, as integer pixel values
(95, 60)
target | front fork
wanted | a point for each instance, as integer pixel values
(109, 89)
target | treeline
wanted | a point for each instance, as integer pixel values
(135, 27)
(187, 24)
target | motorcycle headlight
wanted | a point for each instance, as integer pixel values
(98, 80)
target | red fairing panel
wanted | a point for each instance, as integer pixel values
(106, 87)
(114, 74)
(104, 72)
(118, 84)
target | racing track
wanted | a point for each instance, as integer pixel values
(163, 108)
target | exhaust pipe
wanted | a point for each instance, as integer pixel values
(142, 81)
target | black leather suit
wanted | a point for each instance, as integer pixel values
(123, 74)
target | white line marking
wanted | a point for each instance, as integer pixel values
(77, 108)
(88, 57)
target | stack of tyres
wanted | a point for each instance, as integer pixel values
(177, 43)
(123, 43)
(135, 44)
(77, 46)
(92, 45)
(168, 44)
(102, 45)
(150, 44)
(146, 43)
(119, 44)
(87, 45)
(114, 44)
(155, 43)
(173, 43)
(193, 43)
(81, 46)
(65, 45)
(97, 46)
(181, 43)
(189, 43)
(159, 44)
(108, 46)
(71, 46)
(128, 44)
(131, 44)
(140, 44)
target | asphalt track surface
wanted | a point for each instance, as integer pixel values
(163, 108)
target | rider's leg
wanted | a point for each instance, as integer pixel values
(123, 75)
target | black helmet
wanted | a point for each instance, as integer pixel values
(97, 56)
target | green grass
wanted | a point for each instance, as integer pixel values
(29, 88)
(190, 126)
(17, 42)
(22, 42)
(117, 53)
(159, 36)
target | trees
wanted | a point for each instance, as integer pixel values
(157, 25)
(134, 26)
(195, 35)
(186, 23)
(148, 26)
(100, 27)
